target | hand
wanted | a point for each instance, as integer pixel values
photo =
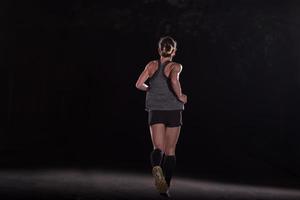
(183, 98)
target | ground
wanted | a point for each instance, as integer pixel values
(74, 184)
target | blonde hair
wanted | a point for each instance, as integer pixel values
(167, 45)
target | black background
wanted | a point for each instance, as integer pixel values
(71, 67)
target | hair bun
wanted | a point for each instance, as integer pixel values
(168, 51)
(167, 45)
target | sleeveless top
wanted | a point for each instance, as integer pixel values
(160, 95)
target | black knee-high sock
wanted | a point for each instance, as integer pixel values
(168, 166)
(156, 157)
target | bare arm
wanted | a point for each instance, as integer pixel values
(140, 83)
(174, 76)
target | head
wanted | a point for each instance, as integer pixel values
(167, 47)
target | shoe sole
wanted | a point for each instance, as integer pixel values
(160, 182)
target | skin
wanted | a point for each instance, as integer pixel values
(164, 138)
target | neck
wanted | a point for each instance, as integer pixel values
(164, 59)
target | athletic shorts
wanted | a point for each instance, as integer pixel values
(171, 118)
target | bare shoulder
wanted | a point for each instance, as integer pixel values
(151, 67)
(176, 67)
(152, 64)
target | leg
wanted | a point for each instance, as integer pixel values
(158, 139)
(171, 138)
(158, 132)
(169, 162)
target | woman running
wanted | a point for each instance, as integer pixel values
(164, 103)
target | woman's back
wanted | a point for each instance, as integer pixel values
(160, 95)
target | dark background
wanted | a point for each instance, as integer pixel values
(70, 68)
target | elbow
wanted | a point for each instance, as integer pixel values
(138, 85)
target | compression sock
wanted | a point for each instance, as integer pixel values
(168, 166)
(156, 157)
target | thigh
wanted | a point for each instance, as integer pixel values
(172, 135)
(158, 132)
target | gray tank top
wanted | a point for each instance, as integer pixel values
(160, 95)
